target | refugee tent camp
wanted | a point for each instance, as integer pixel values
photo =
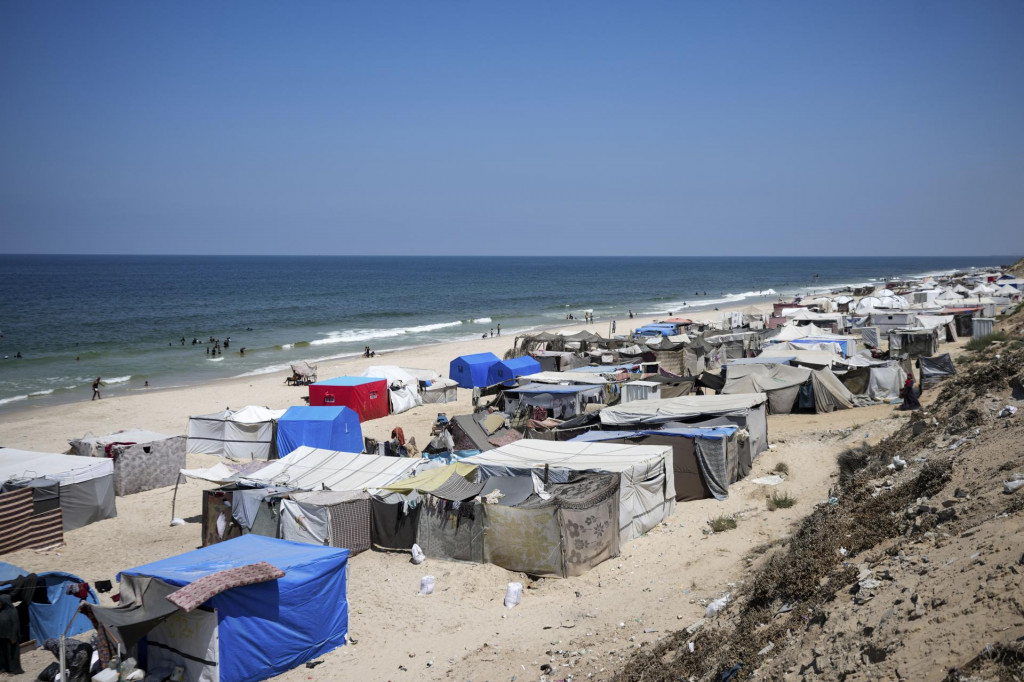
(368, 396)
(332, 428)
(935, 369)
(30, 515)
(222, 616)
(560, 401)
(470, 371)
(248, 433)
(143, 460)
(505, 372)
(86, 483)
(646, 486)
(47, 604)
(403, 386)
(705, 459)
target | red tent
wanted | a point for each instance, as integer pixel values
(367, 396)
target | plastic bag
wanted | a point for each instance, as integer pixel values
(417, 554)
(427, 585)
(717, 605)
(513, 595)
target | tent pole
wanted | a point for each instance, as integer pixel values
(174, 498)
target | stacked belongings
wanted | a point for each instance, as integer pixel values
(565, 532)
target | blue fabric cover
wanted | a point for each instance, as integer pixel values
(268, 628)
(330, 428)
(505, 371)
(470, 371)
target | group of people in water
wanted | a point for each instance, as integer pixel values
(587, 317)
(214, 346)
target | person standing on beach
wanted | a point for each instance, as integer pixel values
(96, 388)
(499, 329)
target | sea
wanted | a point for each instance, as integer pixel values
(123, 318)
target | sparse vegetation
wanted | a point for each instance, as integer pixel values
(780, 501)
(982, 342)
(722, 523)
(782, 469)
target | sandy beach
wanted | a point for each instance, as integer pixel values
(589, 624)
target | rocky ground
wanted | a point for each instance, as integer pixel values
(912, 570)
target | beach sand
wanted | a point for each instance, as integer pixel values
(589, 624)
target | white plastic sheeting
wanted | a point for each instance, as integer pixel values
(307, 468)
(247, 433)
(403, 386)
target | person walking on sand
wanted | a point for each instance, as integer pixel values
(499, 329)
(96, 388)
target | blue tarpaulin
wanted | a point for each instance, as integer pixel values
(694, 432)
(47, 619)
(270, 627)
(329, 428)
(470, 371)
(505, 371)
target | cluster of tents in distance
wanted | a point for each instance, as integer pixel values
(577, 444)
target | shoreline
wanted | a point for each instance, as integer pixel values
(47, 428)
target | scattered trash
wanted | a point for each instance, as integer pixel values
(177, 522)
(513, 595)
(1014, 484)
(689, 645)
(1008, 411)
(762, 652)
(313, 664)
(417, 554)
(773, 479)
(899, 463)
(546, 669)
(842, 550)
(427, 585)
(717, 605)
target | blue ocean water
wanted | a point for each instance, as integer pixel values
(122, 317)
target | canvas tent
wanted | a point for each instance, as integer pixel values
(367, 396)
(240, 632)
(143, 460)
(403, 386)
(561, 401)
(248, 433)
(505, 372)
(745, 410)
(309, 468)
(646, 486)
(86, 483)
(564, 533)
(705, 459)
(331, 428)
(470, 371)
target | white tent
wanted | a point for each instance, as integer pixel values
(86, 483)
(563, 378)
(647, 490)
(307, 468)
(885, 300)
(248, 433)
(403, 386)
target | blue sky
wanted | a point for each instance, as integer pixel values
(676, 128)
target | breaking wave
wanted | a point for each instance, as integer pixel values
(357, 335)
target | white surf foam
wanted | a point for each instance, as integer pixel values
(356, 335)
(117, 380)
(4, 401)
(482, 320)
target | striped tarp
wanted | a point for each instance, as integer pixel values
(20, 529)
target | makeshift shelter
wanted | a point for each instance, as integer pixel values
(481, 431)
(302, 373)
(557, 361)
(558, 401)
(935, 370)
(309, 468)
(331, 428)
(747, 411)
(646, 485)
(505, 372)
(248, 433)
(450, 524)
(470, 371)
(913, 342)
(440, 391)
(47, 604)
(876, 383)
(86, 483)
(573, 528)
(368, 396)
(221, 616)
(143, 460)
(403, 386)
(705, 460)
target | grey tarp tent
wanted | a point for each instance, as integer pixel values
(143, 460)
(565, 535)
(86, 483)
(935, 369)
(647, 493)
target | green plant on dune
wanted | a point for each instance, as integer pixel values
(780, 501)
(722, 523)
